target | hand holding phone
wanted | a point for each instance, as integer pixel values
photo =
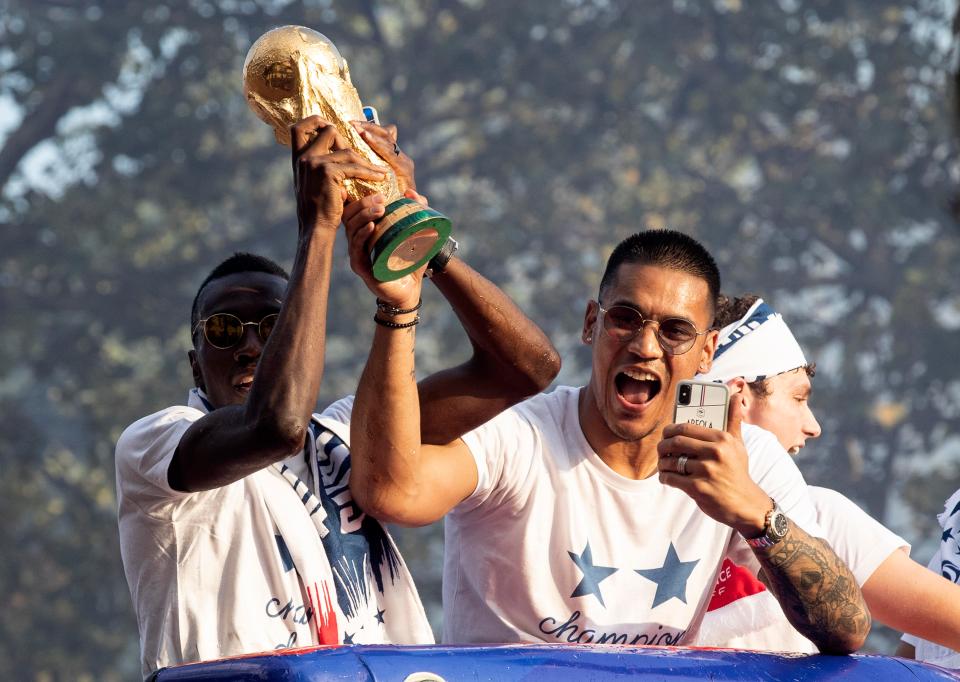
(712, 468)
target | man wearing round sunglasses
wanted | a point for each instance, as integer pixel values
(226, 330)
(584, 515)
(238, 530)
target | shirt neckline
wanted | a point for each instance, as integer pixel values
(575, 436)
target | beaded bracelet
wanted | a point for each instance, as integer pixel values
(396, 325)
(393, 311)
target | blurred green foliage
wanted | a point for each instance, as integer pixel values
(807, 142)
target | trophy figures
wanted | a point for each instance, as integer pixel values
(293, 72)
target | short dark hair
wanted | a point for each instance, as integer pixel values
(729, 310)
(238, 262)
(669, 249)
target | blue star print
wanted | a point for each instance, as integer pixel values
(592, 574)
(379, 615)
(671, 578)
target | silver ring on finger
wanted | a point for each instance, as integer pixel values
(682, 465)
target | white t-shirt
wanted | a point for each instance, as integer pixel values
(555, 546)
(210, 573)
(742, 614)
(945, 562)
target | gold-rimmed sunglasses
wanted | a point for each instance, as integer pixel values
(225, 330)
(674, 334)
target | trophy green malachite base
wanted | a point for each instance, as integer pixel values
(406, 237)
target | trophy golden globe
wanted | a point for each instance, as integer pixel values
(293, 72)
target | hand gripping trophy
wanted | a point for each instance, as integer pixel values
(293, 72)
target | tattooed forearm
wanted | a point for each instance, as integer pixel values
(816, 590)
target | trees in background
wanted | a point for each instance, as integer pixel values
(807, 142)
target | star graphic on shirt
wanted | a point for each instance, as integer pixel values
(947, 534)
(592, 574)
(671, 578)
(347, 637)
(379, 615)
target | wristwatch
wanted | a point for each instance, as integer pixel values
(775, 528)
(439, 262)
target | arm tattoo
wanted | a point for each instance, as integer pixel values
(816, 590)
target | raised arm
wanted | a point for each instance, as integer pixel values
(393, 477)
(816, 590)
(236, 440)
(512, 358)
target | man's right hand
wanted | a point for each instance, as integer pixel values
(717, 474)
(322, 160)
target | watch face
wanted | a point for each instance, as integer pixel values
(778, 524)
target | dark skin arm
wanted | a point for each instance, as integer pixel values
(512, 358)
(234, 441)
(816, 590)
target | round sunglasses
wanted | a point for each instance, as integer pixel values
(674, 334)
(225, 330)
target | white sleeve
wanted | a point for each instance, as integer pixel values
(339, 411)
(912, 640)
(144, 451)
(775, 471)
(503, 449)
(862, 542)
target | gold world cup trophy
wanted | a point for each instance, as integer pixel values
(293, 72)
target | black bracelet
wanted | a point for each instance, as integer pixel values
(439, 262)
(393, 311)
(396, 325)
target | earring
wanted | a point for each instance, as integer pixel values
(589, 338)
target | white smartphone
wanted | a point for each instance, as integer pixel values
(701, 402)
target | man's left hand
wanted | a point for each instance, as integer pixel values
(359, 219)
(717, 474)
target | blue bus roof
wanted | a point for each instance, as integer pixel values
(546, 663)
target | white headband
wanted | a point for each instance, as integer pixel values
(756, 346)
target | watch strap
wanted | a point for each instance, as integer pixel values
(439, 262)
(769, 537)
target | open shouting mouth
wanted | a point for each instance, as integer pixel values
(637, 387)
